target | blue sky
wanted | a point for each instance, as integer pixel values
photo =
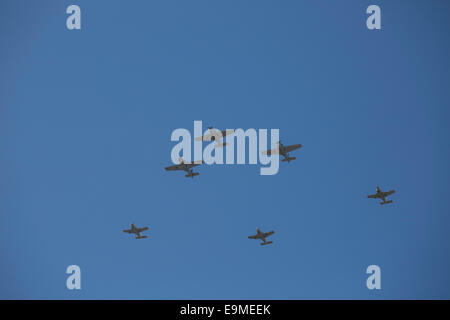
(86, 118)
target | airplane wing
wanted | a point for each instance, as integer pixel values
(202, 138)
(142, 229)
(208, 136)
(273, 151)
(269, 233)
(253, 237)
(293, 147)
(174, 167)
(127, 231)
(373, 196)
(216, 133)
(227, 132)
(183, 166)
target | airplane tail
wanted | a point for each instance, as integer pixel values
(264, 243)
(386, 202)
(289, 159)
(192, 174)
(141, 237)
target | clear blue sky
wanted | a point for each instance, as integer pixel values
(85, 124)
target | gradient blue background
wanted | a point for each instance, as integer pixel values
(86, 118)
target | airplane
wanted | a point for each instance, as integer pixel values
(283, 150)
(382, 195)
(186, 167)
(136, 231)
(262, 236)
(215, 134)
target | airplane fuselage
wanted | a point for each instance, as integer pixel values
(260, 235)
(185, 167)
(382, 195)
(282, 151)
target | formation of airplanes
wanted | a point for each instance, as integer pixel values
(216, 135)
(280, 149)
(263, 235)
